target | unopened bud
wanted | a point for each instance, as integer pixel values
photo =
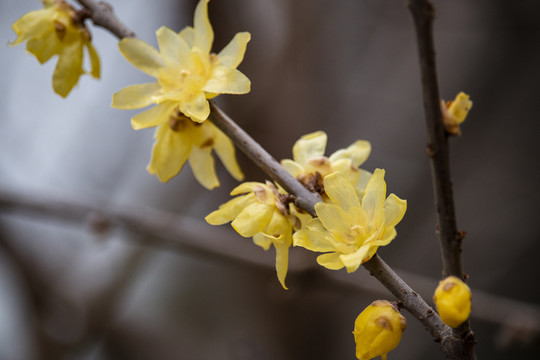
(455, 112)
(453, 300)
(378, 330)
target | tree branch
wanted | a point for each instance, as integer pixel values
(102, 15)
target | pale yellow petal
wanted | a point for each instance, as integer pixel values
(262, 240)
(226, 152)
(136, 96)
(44, 47)
(330, 261)
(141, 55)
(171, 46)
(363, 180)
(95, 65)
(202, 164)
(282, 261)
(225, 81)
(188, 35)
(69, 68)
(278, 226)
(388, 235)
(292, 167)
(232, 55)
(319, 241)
(204, 35)
(246, 187)
(394, 209)
(309, 146)
(340, 191)
(357, 153)
(169, 153)
(33, 24)
(197, 108)
(375, 193)
(333, 218)
(228, 211)
(353, 261)
(253, 219)
(154, 116)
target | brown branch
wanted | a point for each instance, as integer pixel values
(102, 15)
(450, 239)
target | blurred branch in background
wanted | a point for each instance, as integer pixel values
(519, 321)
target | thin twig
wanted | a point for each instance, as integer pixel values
(450, 239)
(102, 15)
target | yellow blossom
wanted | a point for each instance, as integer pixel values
(378, 330)
(455, 112)
(181, 139)
(263, 212)
(57, 29)
(453, 300)
(310, 166)
(350, 230)
(187, 75)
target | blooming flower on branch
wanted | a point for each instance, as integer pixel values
(187, 75)
(265, 213)
(455, 112)
(310, 166)
(58, 29)
(378, 330)
(453, 300)
(181, 139)
(349, 230)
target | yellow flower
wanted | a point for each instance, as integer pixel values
(181, 139)
(310, 166)
(264, 213)
(455, 112)
(350, 230)
(187, 75)
(453, 300)
(57, 29)
(378, 330)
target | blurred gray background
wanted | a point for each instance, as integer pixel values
(347, 67)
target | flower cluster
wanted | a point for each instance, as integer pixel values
(187, 76)
(354, 219)
(378, 330)
(455, 112)
(58, 29)
(453, 300)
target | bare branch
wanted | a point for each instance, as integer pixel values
(102, 15)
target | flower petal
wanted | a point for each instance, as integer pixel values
(228, 211)
(282, 260)
(204, 35)
(394, 209)
(141, 55)
(309, 146)
(357, 153)
(169, 153)
(319, 241)
(225, 151)
(333, 219)
(330, 261)
(44, 47)
(188, 35)
(224, 81)
(340, 191)
(171, 46)
(262, 240)
(69, 67)
(353, 261)
(246, 187)
(292, 167)
(253, 219)
(136, 96)
(197, 109)
(232, 55)
(34, 24)
(202, 164)
(373, 200)
(95, 65)
(154, 116)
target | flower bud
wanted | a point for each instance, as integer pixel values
(378, 330)
(453, 300)
(455, 112)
